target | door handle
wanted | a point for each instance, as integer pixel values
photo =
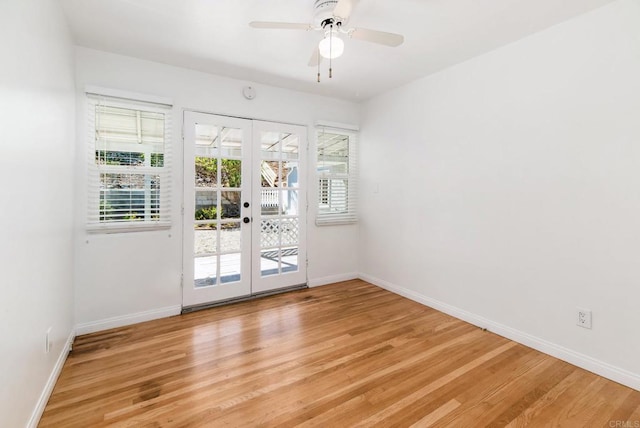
(246, 219)
(246, 204)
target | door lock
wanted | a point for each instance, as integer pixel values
(246, 219)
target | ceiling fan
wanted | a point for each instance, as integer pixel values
(331, 17)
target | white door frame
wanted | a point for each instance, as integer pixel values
(251, 282)
(219, 259)
(260, 283)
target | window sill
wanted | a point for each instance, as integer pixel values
(127, 227)
(322, 223)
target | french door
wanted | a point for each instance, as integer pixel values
(244, 207)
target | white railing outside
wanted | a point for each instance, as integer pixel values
(269, 198)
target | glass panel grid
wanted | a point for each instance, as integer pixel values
(290, 147)
(290, 174)
(230, 267)
(231, 173)
(205, 239)
(269, 202)
(290, 202)
(205, 271)
(289, 231)
(231, 142)
(206, 172)
(230, 202)
(269, 262)
(279, 222)
(289, 259)
(269, 173)
(206, 136)
(269, 233)
(218, 205)
(207, 205)
(230, 237)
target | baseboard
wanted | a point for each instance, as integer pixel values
(616, 374)
(51, 382)
(317, 282)
(121, 321)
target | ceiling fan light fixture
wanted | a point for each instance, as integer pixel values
(331, 46)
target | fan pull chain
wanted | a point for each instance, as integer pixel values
(318, 57)
(330, 51)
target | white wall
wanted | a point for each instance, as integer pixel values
(509, 189)
(36, 219)
(146, 281)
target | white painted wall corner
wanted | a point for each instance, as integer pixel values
(326, 280)
(51, 382)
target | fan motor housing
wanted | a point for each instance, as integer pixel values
(323, 12)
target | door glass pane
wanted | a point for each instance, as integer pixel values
(269, 233)
(205, 271)
(269, 202)
(289, 259)
(230, 267)
(290, 174)
(289, 231)
(230, 238)
(290, 147)
(231, 173)
(289, 202)
(206, 135)
(231, 142)
(270, 144)
(231, 202)
(279, 200)
(206, 205)
(269, 262)
(206, 172)
(206, 239)
(269, 173)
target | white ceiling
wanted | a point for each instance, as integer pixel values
(214, 36)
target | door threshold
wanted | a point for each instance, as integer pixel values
(193, 308)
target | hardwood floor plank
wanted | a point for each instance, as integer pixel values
(437, 414)
(552, 401)
(480, 379)
(427, 389)
(634, 418)
(551, 377)
(342, 355)
(606, 402)
(624, 411)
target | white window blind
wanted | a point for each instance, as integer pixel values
(129, 165)
(337, 176)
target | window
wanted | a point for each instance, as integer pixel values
(129, 165)
(337, 174)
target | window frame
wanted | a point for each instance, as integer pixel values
(95, 221)
(325, 185)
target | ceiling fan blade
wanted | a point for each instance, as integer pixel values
(343, 8)
(380, 37)
(280, 25)
(316, 58)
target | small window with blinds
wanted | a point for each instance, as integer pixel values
(337, 175)
(129, 165)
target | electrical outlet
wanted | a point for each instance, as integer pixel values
(47, 343)
(584, 318)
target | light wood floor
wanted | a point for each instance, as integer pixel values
(343, 355)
